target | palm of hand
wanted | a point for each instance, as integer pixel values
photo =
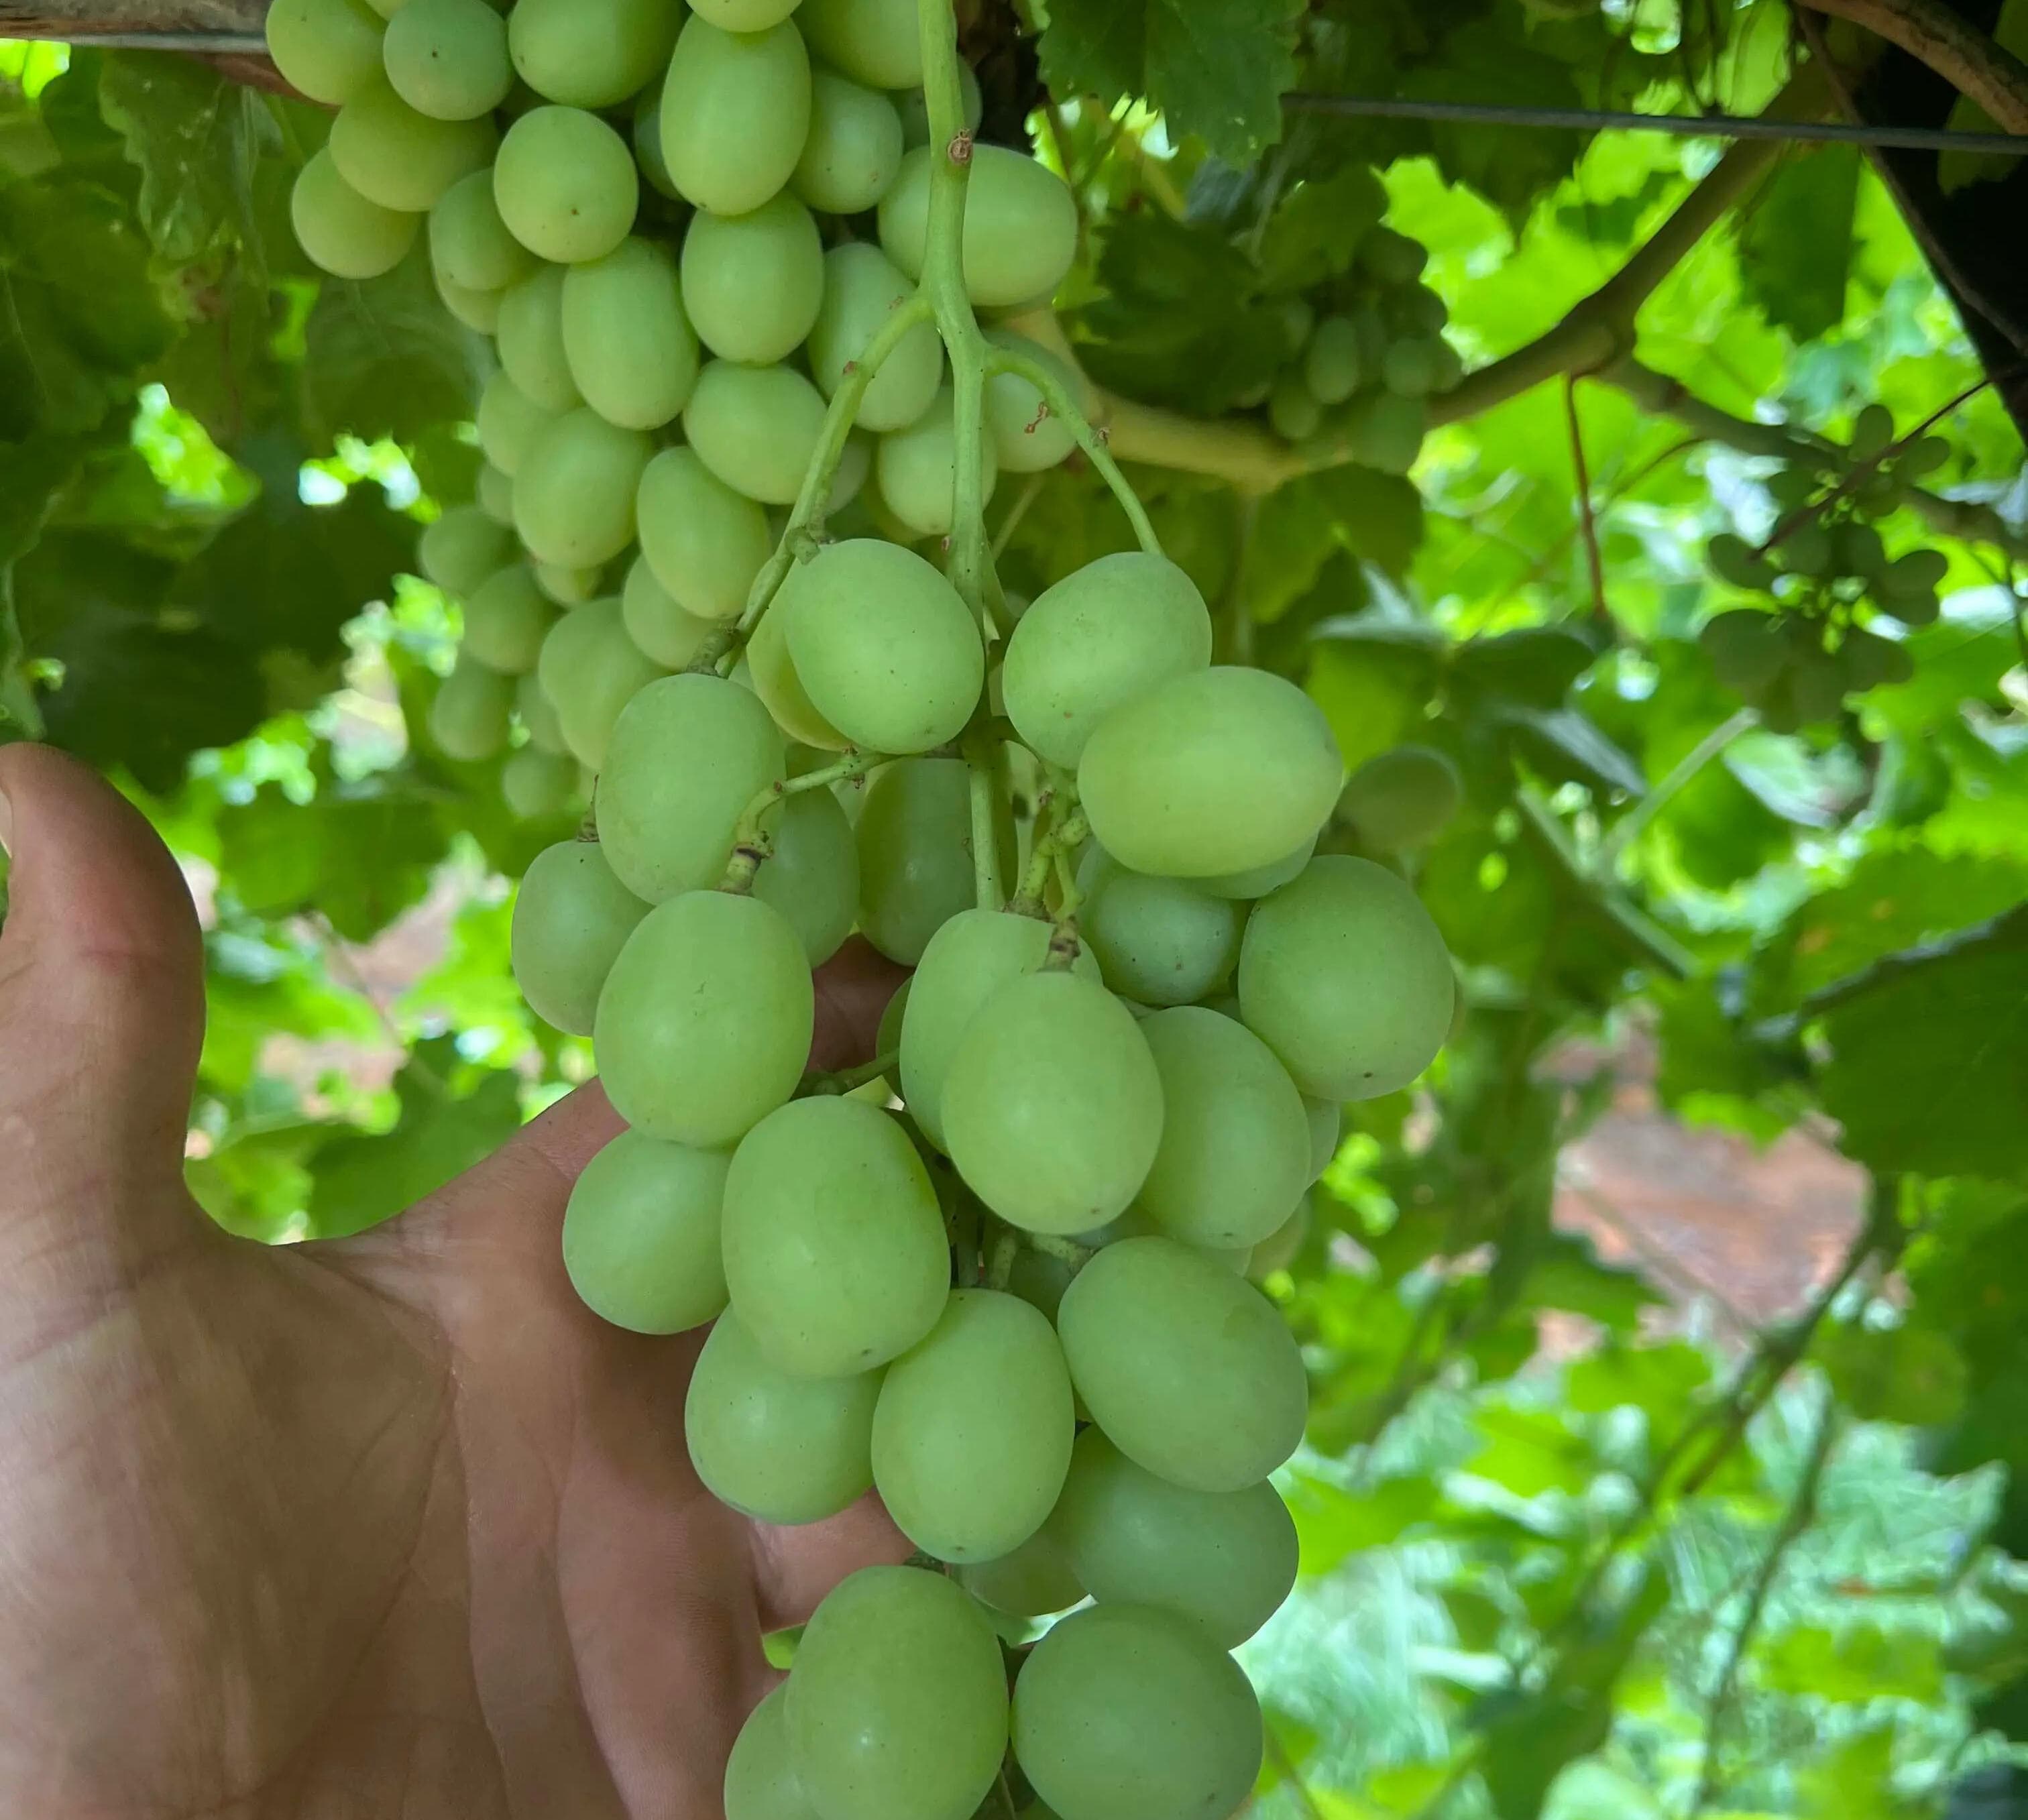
(393, 1528)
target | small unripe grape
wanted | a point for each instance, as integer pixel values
(875, 42)
(916, 469)
(536, 785)
(704, 541)
(861, 287)
(571, 917)
(590, 53)
(631, 350)
(1292, 408)
(654, 621)
(1401, 798)
(402, 159)
(507, 421)
(641, 1234)
(1027, 436)
(757, 428)
(327, 49)
(1332, 367)
(753, 283)
(735, 114)
(469, 244)
(342, 231)
(853, 153)
(448, 58)
(575, 490)
(462, 549)
(506, 620)
(468, 718)
(532, 340)
(566, 184)
(1020, 225)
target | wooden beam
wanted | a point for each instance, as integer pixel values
(80, 19)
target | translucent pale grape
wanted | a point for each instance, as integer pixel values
(572, 918)
(641, 1234)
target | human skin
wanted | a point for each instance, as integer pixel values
(389, 1529)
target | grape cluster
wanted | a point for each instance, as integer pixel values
(1364, 356)
(1000, 1276)
(1826, 572)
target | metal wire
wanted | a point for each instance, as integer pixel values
(193, 43)
(1684, 126)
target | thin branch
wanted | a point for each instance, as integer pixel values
(1587, 523)
(1958, 51)
(1631, 825)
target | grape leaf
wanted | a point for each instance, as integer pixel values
(359, 858)
(1215, 68)
(385, 358)
(1795, 248)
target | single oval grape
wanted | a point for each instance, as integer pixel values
(1159, 941)
(340, 230)
(538, 715)
(508, 421)
(1343, 974)
(875, 42)
(566, 185)
(479, 310)
(462, 549)
(1033, 1581)
(506, 620)
(1187, 1368)
(885, 647)
(915, 854)
(862, 286)
(854, 152)
(665, 632)
(776, 1448)
(1020, 224)
(1027, 436)
(1235, 1149)
(916, 469)
(1104, 636)
(898, 1701)
(1333, 367)
(469, 244)
(632, 351)
(756, 428)
(735, 114)
(812, 875)
(1125, 1712)
(772, 670)
(326, 49)
(705, 541)
(402, 159)
(590, 669)
(835, 1254)
(641, 1241)
(1225, 1560)
(760, 1781)
(1327, 1119)
(1052, 1105)
(1384, 431)
(752, 283)
(705, 1023)
(448, 58)
(536, 785)
(572, 918)
(1210, 772)
(590, 53)
(1293, 409)
(574, 491)
(971, 1437)
(493, 492)
(532, 340)
(468, 718)
(1402, 797)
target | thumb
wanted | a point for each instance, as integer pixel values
(102, 981)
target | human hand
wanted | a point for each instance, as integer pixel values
(390, 1527)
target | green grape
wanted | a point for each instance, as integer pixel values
(1033, 1581)
(1235, 1150)
(735, 114)
(1292, 408)
(1872, 429)
(705, 1023)
(1327, 1121)
(468, 718)
(1733, 559)
(648, 143)
(875, 42)
(1159, 941)
(1859, 550)
(862, 285)
(916, 869)
(1392, 258)
(917, 470)
(538, 715)
(469, 244)
(898, 1701)
(532, 340)
(752, 283)
(1213, 771)
(387, 9)
(1808, 550)
(1745, 649)
(341, 232)
(744, 15)
(687, 755)
(1344, 976)
(774, 679)
(757, 428)
(664, 631)
(1187, 1367)
(1297, 318)
(888, 1039)
(536, 785)
(591, 670)
(834, 1248)
(572, 918)
(915, 109)
(1333, 369)
(1279, 1250)
(886, 649)
(448, 58)
(1419, 311)
(704, 541)
(1020, 225)
(629, 343)
(972, 1434)
(1225, 1560)
(1027, 436)
(812, 875)
(1105, 635)
(574, 491)
(1051, 1105)
(565, 586)
(641, 1234)
(590, 53)
(505, 621)
(1252, 881)
(1448, 364)
(1870, 661)
(508, 421)
(462, 549)
(1401, 798)
(779, 1448)
(326, 49)
(1385, 431)
(493, 492)
(854, 150)
(1412, 368)
(964, 962)
(1126, 1712)
(479, 310)
(760, 1781)
(566, 185)
(402, 159)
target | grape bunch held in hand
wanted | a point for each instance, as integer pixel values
(727, 560)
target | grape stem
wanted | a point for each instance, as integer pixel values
(845, 1079)
(1067, 831)
(999, 1261)
(985, 847)
(752, 845)
(1064, 1250)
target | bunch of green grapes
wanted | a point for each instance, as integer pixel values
(1363, 357)
(1003, 1282)
(1825, 576)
